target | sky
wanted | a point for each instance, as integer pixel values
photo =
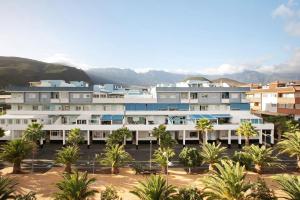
(191, 36)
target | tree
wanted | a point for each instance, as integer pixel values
(291, 145)
(190, 157)
(290, 185)
(115, 156)
(211, 154)
(260, 191)
(162, 156)
(154, 188)
(189, 193)
(2, 132)
(14, 152)
(292, 126)
(118, 136)
(28, 196)
(243, 158)
(247, 130)
(110, 193)
(227, 182)
(75, 186)
(75, 137)
(67, 156)
(279, 124)
(164, 137)
(34, 132)
(261, 157)
(7, 188)
(204, 126)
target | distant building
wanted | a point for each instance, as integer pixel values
(100, 109)
(276, 98)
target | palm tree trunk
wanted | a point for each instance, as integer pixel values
(258, 168)
(210, 167)
(298, 162)
(68, 168)
(17, 168)
(190, 171)
(114, 170)
(247, 141)
(278, 135)
(165, 170)
(206, 137)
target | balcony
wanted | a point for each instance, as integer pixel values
(284, 100)
(14, 100)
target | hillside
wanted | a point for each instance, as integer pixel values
(231, 82)
(19, 71)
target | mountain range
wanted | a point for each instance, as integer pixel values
(20, 71)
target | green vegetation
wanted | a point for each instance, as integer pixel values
(118, 136)
(189, 193)
(190, 157)
(211, 154)
(74, 137)
(67, 156)
(260, 191)
(110, 193)
(75, 186)
(6, 188)
(290, 185)
(204, 126)
(154, 188)
(164, 137)
(162, 157)
(247, 130)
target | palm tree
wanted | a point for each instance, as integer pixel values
(28, 196)
(118, 136)
(260, 191)
(292, 126)
(261, 157)
(247, 130)
(2, 132)
(163, 136)
(74, 137)
(189, 193)
(290, 185)
(6, 188)
(211, 154)
(163, 156)
(115, 156)
(110, 193)
(14, 152)
(291, 145)
(227, 182)
(204, 126)
(190, 157)
(34, 132)
(279, 124)
(67, 156)
(75, 186)
(154, 188)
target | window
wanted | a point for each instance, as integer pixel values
(273, 105)
(2, 121)
(235, 95)
(76, 96)
(10, 121)
(20, 107)
(204, 95)
(225, 95)
(184, 95)
(54, 95)
(66, 107)
(96, 96)
(25, 121)
(203, 107)
(86, 96)
(31, 95)
(33, 120)
(17, 121)
(78, 107)
(35, 107)
(44, 95)
(194, 95)
(193, 134)
(81, 121)
(46, 107)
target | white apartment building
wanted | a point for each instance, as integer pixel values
(99, 110)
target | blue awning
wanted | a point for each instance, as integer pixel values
(222, 115)
(112, 117)
(204, 116)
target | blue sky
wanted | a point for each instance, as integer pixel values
(207, 36)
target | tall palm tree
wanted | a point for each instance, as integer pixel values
(162, 156)
(14, 152)
(190, 157)
(75, 186)
(291, 145)
(261, 157)
(34, 132)
(154, 188)
(290, 185)
(6, 188)
(227, 182)
(204, 126)
(67, 156)
(115, 156)
(247, 130)
(163, 136)
(118, 136)
(279, 124)
(74, 137)
(211, 154)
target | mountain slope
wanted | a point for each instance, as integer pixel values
(19, 71)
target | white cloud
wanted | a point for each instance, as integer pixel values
(291, 16)
(66, 60)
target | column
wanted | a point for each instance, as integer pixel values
(260, 137)
(183, 138)
(64, 137)
(41, 142)
(12, 134)
(240, 141)
(137, 139)
(272, 137)
(229, 138)
(88, 138)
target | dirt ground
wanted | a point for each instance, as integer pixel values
(44, 184)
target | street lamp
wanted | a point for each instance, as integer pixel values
(150, 160)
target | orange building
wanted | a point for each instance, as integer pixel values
(276, 98)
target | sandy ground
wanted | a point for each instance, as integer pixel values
(44, 184)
